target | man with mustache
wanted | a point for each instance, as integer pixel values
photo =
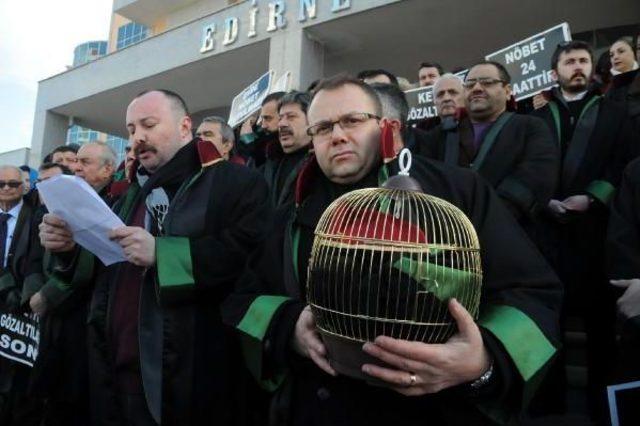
(158, 351)
(285, 158)
(515, 153)
(594, 136)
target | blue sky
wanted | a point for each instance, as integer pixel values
(37, 38)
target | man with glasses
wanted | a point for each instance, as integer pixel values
(515, 153)
(594, 136)
(437, 384)
(16, 407)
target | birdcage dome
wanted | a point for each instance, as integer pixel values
(386, 262)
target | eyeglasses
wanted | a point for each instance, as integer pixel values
(347, 122)
(10, 183)
(484, 82)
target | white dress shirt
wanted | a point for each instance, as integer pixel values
(11, 227)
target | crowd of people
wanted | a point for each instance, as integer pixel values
(207, 322)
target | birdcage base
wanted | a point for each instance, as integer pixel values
(347, 357)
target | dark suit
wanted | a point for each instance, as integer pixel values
(16, 408)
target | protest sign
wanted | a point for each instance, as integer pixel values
(19, 337)
(421, 101)
(529, 61)
(462, 74)
(421, 104)
(250, 99)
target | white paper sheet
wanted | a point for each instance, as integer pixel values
(88, 216)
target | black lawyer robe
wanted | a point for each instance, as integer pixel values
(517, 281)
(520, 161)
(623, 255)
(189, 360)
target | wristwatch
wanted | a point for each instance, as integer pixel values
(482, 380)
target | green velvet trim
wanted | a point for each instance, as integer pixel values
(383, 175)
(555, 113)
(528, 347)
(258, 317)
(173, 260)
(6, 281)
(83, 272)
(602, 190)
(442, 281)
(119, 176)
(248, 138)
(254, 326)
(518, 193)
(295, 244)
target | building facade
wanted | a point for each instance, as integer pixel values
(128, 33)
(209, 50)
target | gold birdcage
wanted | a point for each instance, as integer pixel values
(386, 261)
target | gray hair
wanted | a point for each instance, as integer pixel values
(393, 101)
(225, 130)
(17, 169)
(447, 76)
(108, 156)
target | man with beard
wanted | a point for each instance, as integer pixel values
(284, 159)
(594, 137)
(515, 153)
(158, 351)
(257, 137)
(486, 366)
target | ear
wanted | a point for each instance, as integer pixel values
(185, 128)
(109, 169)
(228, 145)
(508, 90)
(554, 75)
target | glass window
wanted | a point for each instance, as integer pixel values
(88, 52)
(131, 33)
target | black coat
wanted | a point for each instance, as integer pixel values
(280, 171)
(520, 162)
(597, 154)
(623, 253)
(190, 367)
(12, 277)
(592, 164)
(272, 297)
(625, 90)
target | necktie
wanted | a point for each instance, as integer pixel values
(4, 217)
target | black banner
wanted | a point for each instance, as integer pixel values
(19, 337)
(529, 61)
